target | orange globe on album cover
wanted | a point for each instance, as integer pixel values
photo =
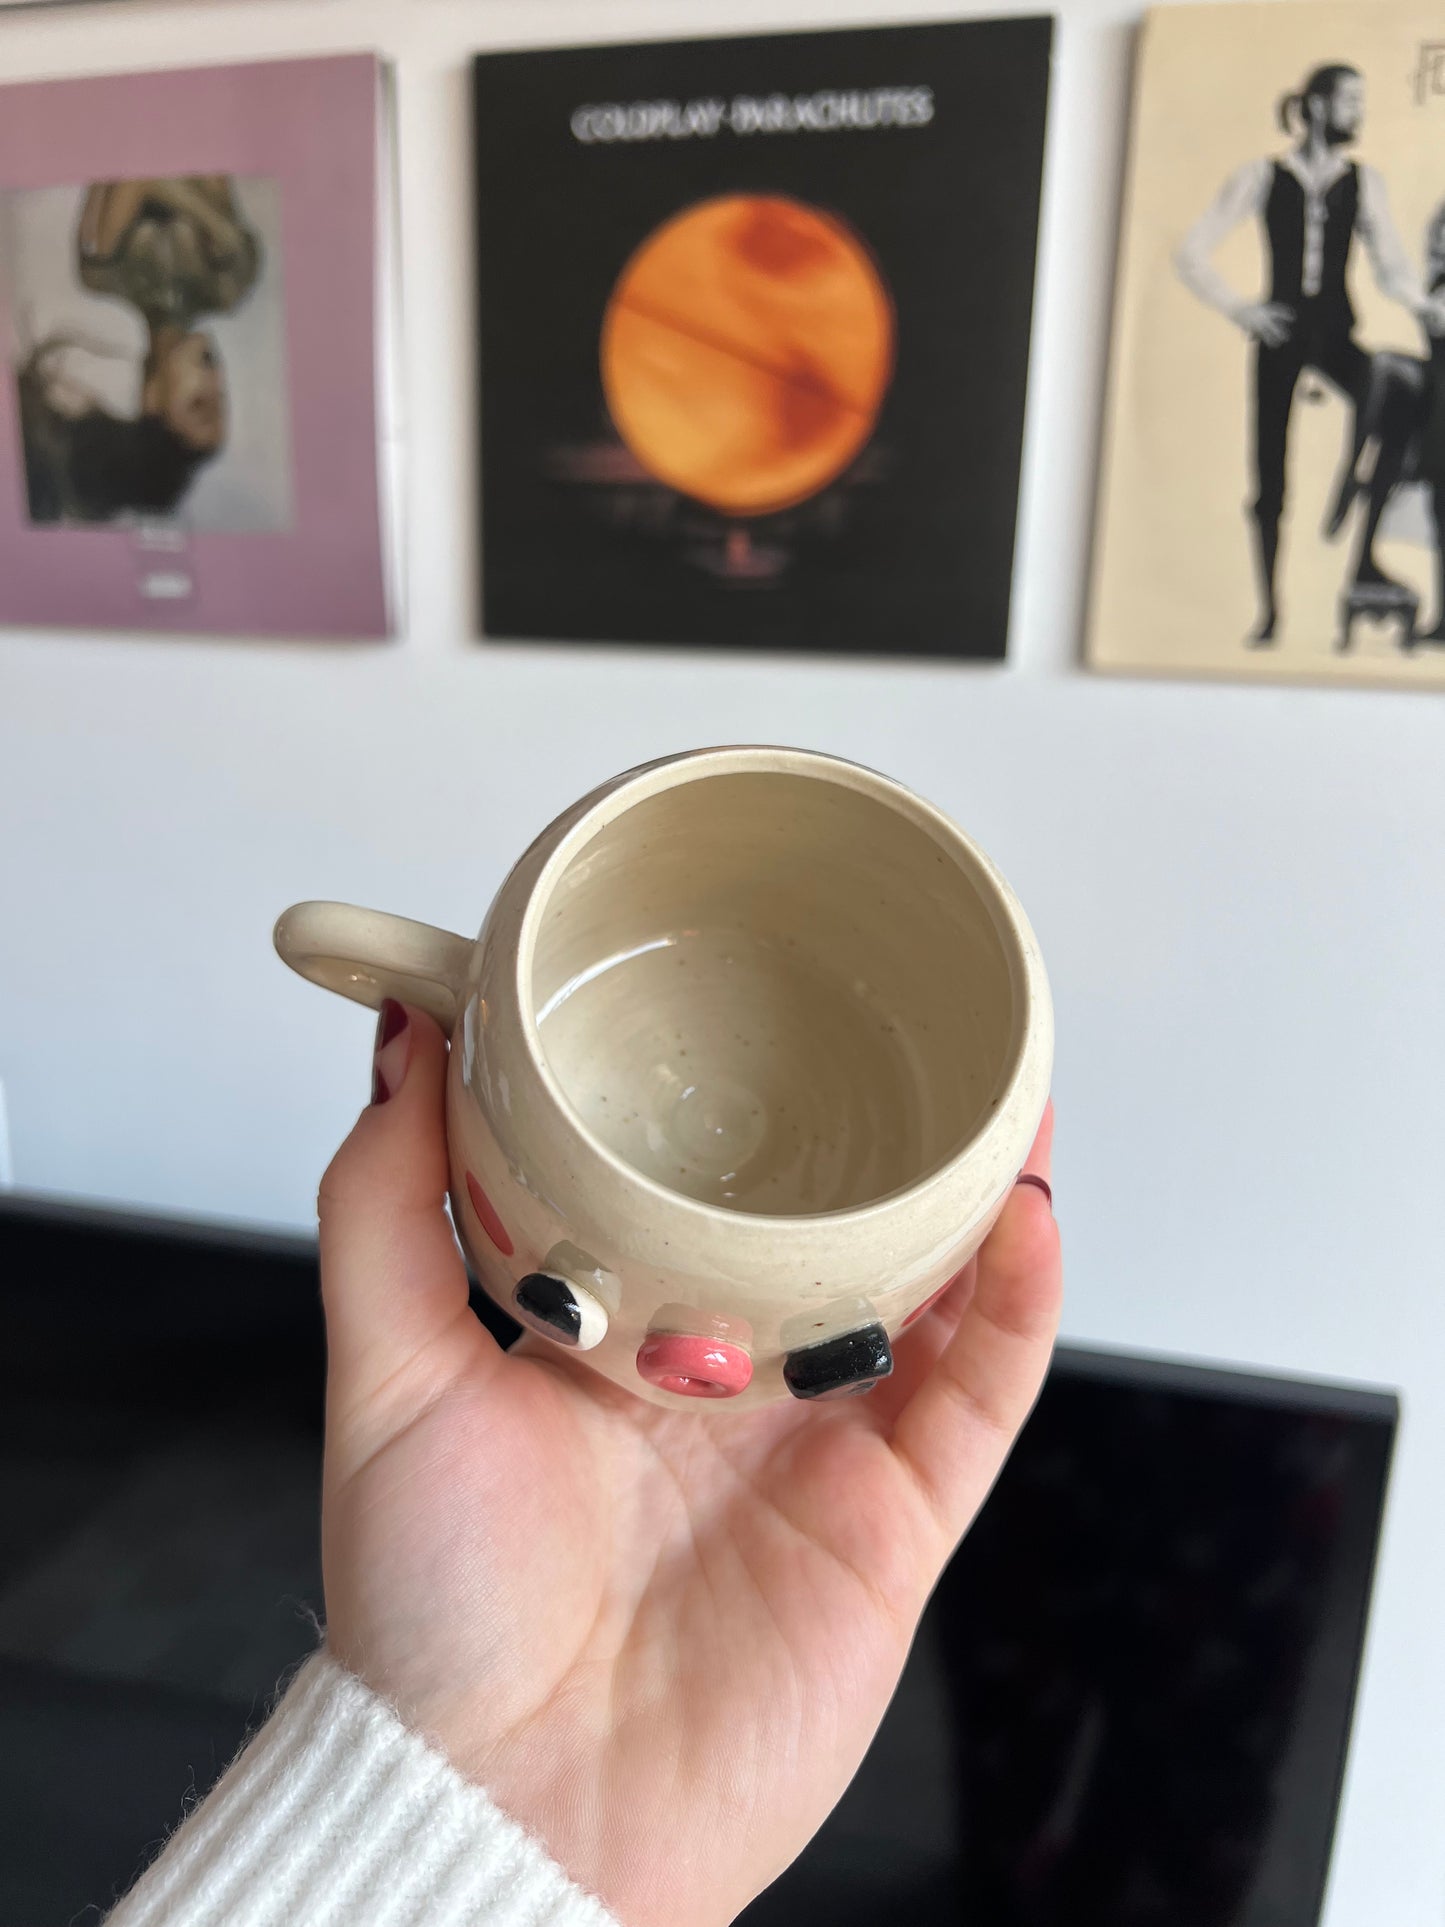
(746, 349)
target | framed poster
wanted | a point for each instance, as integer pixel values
(189, 298)
(754, 336)
(1273, 497)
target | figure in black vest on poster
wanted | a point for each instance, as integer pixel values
(1311, 203)
(1432, 436)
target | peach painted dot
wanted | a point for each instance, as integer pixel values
(694, 1367)
(487, 1214)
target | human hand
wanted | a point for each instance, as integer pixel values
(1268, 321)
(661, 1640)
(206, 201)
(68, 397)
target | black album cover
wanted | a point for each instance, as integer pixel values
(754, 323)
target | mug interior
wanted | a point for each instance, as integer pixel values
(775, 993)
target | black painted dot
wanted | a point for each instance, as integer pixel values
(852, 1362)
(550, 1304)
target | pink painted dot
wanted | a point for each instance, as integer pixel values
(487, 1214)
(928, 1303)
(694, 1367)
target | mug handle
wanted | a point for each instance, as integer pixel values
(368, 956)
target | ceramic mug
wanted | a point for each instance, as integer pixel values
(745, 1063)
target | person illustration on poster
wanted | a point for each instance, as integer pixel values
(175, 250)
(1311, 204)
(1400, 444)
(1431, 461)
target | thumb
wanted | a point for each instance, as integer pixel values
(392, 1279)
(959, 1426)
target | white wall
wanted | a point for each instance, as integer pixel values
(1239, 890)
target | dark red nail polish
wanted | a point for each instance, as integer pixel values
(1041, 1184)
(390, 1023)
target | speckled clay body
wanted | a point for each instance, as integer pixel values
(745, 1062)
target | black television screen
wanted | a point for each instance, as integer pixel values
(1128, 1702)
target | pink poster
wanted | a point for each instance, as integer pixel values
(190, 426)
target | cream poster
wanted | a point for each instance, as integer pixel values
(1273, 491)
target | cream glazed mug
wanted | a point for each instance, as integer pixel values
(745, 1063)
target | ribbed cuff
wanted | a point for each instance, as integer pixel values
(337, 1814)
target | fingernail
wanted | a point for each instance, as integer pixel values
(393, 1051)
(1042, 1184)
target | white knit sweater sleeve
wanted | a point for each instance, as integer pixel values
(337, 1814)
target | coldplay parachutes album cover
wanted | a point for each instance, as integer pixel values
(1273, 496)
(193, 430)
(755, 321)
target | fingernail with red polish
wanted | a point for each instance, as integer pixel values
(393, 1051)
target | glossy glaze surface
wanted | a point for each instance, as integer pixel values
(772, 996)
